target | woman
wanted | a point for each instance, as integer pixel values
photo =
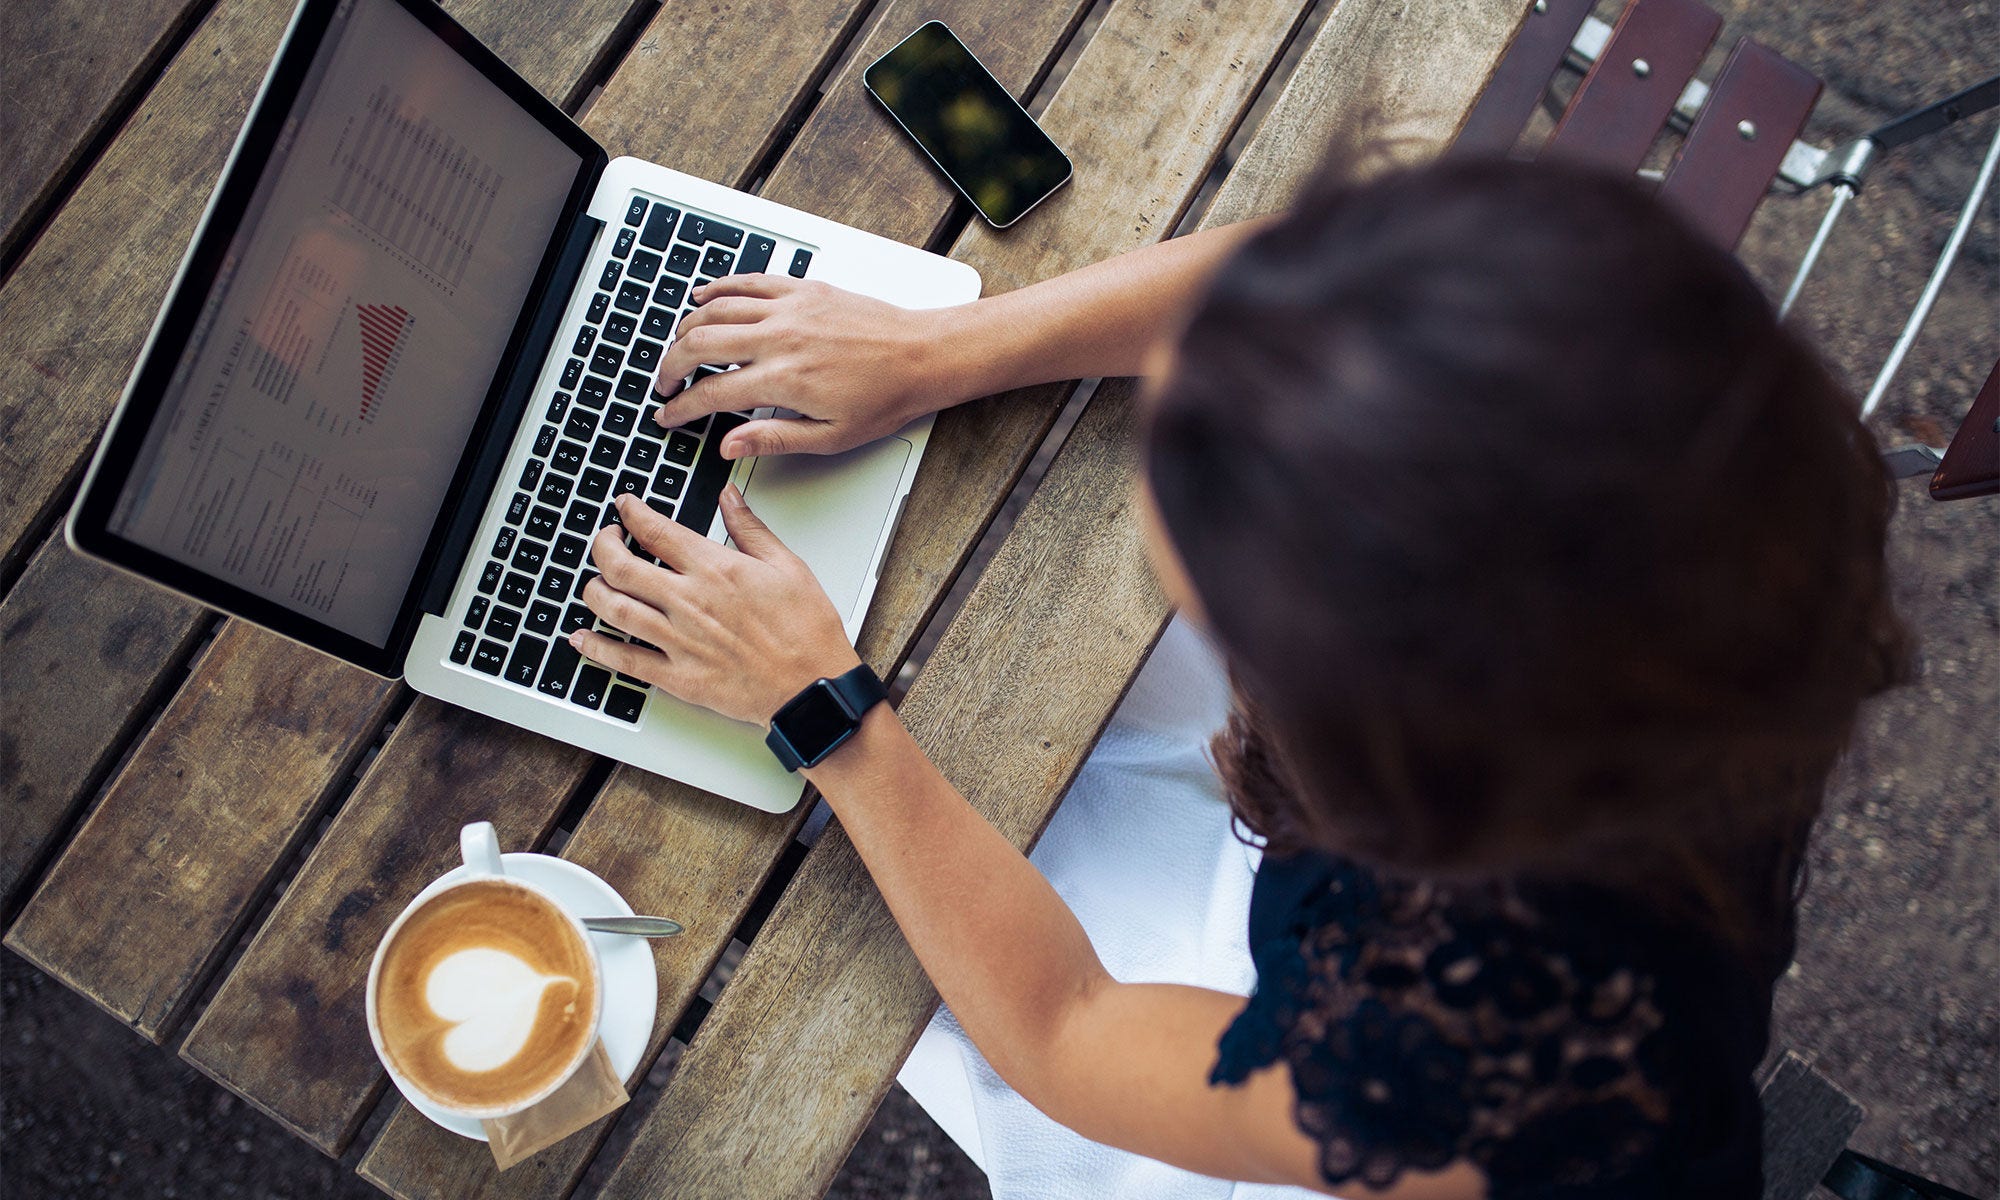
(1548, 571)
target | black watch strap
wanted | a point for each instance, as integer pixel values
(825, 713)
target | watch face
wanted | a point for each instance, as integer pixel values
(814, 721)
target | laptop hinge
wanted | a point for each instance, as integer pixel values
(492, 453)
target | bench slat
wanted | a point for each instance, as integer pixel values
(829, 998)
(1522, 78)
(1971, 465)
(1618, 110)
(1721, 174)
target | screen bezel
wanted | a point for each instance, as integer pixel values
(88, 529)
(1005, 99)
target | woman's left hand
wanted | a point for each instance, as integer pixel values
(740, 630)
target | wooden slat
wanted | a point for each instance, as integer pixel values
(264, 696)
(71, 67)
(1971, 465)
(1807, 1121)
(243, 1037)
(829, 998)
(1757, 107)
(161, 876)
(1619, 109)
(1522, 77)
(84, 652)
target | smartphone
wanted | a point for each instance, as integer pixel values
(986, 144)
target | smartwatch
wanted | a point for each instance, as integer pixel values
(826, 713)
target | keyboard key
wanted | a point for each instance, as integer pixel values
(583, 581)
(526, 660)
(598, 304)
(669, 482)
(711, 472)
(801, 259)
(490, 657)
(594, 393)
(557, 407)
(619, 420)
(670, 292)
(568, 457)
(476, 612)
(681, 446)
(682, 259)
(572, 371)
(642, 454)
(644, 267)
(581, 426)
(555, 490)
(590, 685)
(542, 522)
(606, 451)
(557, 668)
(528, 556)
(584, 338)
(717, 261)
(596, 485)
(517, 508)
(618, 328)
(576, 617)
(610, 517)
(645, 356)
(636, 210)
(631, 483)
(701, 229)
(700, 281)
(608, 279)
(648, 427)
(607, 360)
(489, 579)
(632, 297)
(625, 703)
(569, 550)
(555, 584)
(660, 226)
(658, 323)
(623, 246)
(542, 619)
(505, 624)
(516, 588)
(545, 441)
(503, 543)
(581, 518)
(756, 254)
(461, 650)
(633, 386)
(531, 472)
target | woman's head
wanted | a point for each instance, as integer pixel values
(1526, 529)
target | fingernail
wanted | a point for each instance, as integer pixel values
(576, 641)
(733, 496)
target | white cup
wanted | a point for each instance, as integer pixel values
(479, 846)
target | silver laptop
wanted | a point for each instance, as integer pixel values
(409, 360)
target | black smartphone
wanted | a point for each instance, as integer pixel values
(973, 129)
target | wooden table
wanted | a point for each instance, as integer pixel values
(254, 814)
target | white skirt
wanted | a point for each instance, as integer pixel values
(1142, 850)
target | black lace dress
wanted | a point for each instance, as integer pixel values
(1560, 1038)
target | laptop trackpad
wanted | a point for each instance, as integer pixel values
(830, 509)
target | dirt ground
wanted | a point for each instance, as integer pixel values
(1894, 993)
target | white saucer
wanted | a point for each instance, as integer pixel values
(631, 982)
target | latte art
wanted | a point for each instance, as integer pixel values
(486, 996)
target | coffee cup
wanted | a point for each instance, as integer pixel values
(485, 995)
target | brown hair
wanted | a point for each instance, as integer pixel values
(1535, 543)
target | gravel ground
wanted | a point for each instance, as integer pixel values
(1894, 992)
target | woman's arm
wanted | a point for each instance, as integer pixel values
(857, 369)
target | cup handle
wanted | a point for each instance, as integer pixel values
(480, 847)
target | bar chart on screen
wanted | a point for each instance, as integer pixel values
(382, 330)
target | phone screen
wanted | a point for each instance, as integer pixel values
(985, 143)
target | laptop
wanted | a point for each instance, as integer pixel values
(409, 359)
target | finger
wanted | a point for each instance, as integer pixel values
(667, 540)
(731, 391)
(695, 345)
(627, 612)
(726, 310)
(626, 571)
(748, 530)
(757, 283)
(787, 435)
(649, 665)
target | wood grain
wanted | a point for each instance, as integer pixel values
(163, 873)
(265, 695)
(829, 999)
(72, 66)
(85, 653)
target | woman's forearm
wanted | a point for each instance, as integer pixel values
(1099, 320)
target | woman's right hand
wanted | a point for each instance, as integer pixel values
(854, 368)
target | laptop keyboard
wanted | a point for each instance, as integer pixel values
(597, 440)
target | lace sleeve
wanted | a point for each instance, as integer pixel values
(1423, 1027)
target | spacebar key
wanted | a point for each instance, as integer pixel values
(711, 472)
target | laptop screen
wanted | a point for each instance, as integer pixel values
(306, 439)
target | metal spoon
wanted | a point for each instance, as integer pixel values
(635, 926)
